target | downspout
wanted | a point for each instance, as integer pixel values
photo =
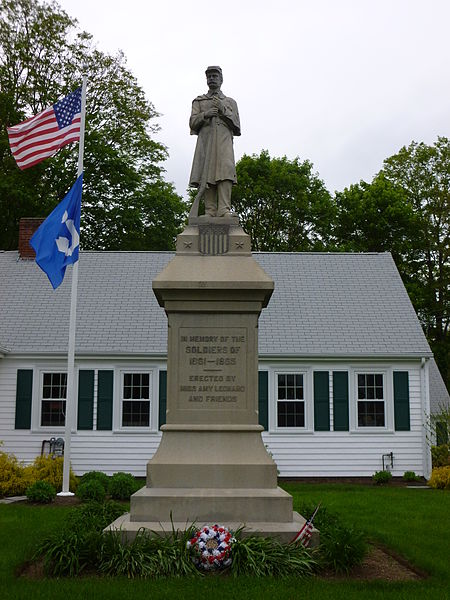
(426, 413)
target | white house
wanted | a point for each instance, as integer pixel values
(344, 368)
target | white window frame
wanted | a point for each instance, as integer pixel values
(153, 400)
(307, 399)
(386, 372)
(38, 398)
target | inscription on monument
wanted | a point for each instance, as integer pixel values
(214, 367)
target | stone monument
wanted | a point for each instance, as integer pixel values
(212, 465)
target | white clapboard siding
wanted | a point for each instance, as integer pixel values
(314, 454)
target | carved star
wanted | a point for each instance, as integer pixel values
(187, 244)
(239, 244)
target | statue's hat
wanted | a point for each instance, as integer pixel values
(214, 68)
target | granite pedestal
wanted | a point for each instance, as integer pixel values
(212, 465)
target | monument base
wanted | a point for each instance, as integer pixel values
(283, 532)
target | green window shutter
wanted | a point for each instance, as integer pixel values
(162, 397)
(24, 392)
(85, 399)
(263, 399)
(340, 400)
(401, 401)
(321, 401)
(105, 400)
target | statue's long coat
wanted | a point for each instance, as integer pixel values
(215, 140)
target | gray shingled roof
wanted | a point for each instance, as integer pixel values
(323, 305)
(439, 396)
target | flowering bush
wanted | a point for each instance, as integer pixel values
(15, 478)
(440, 478)
(211, 547)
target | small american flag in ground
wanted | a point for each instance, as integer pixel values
(305, 533)
(44, 134)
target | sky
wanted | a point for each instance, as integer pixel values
(341, 83)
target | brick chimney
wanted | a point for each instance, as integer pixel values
(27, 226)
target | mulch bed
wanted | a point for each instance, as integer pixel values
(379, 564)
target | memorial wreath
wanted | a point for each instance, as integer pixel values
(211, 547)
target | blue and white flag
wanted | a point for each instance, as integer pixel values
(57, 240)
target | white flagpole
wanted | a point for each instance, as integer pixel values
(70, 396)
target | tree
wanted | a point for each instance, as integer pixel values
(126, 202)
(282, 204)
(378, 217)
(424, 173)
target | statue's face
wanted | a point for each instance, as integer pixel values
(214, 80)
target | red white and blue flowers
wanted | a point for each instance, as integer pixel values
(211, 547)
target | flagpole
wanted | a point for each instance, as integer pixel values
(70, 396)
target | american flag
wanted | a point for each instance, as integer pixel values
(44, 134)
(305, 533)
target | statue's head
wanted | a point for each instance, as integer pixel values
(214, 77)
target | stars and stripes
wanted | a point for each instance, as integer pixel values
(44, 134)
(305, 533)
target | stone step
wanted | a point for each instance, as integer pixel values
(189, 505)
(283, 532)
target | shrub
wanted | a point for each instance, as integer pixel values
(91, 490)
(440, 478)
(47, 468)
(14, 478)
(381, 477)
(41, 491)
(410, 476)
(122, 485)
(341, 548)
(97, 476)
(439, 455)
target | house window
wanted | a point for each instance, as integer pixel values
(371, 400)
(290, 400)
(54, 393)
(136, 400)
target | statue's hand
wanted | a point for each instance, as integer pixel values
(220, 106)
(212, 112)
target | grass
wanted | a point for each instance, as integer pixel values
(413, 522)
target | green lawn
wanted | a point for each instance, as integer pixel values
(414, 522)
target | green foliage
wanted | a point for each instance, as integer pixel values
(91, 490)
(50, 469)
(41, 491)
(375, 217)
(76, 547)
(440, 478)
(423, 172)
(439, 455)
(147, 556)
(410, 476)
(381, 477)
(265, 557)
(341, 548)
(97, 476)
(14, 479)
(126, 203)
(282, 203)
(122, 485)
(94, 516)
